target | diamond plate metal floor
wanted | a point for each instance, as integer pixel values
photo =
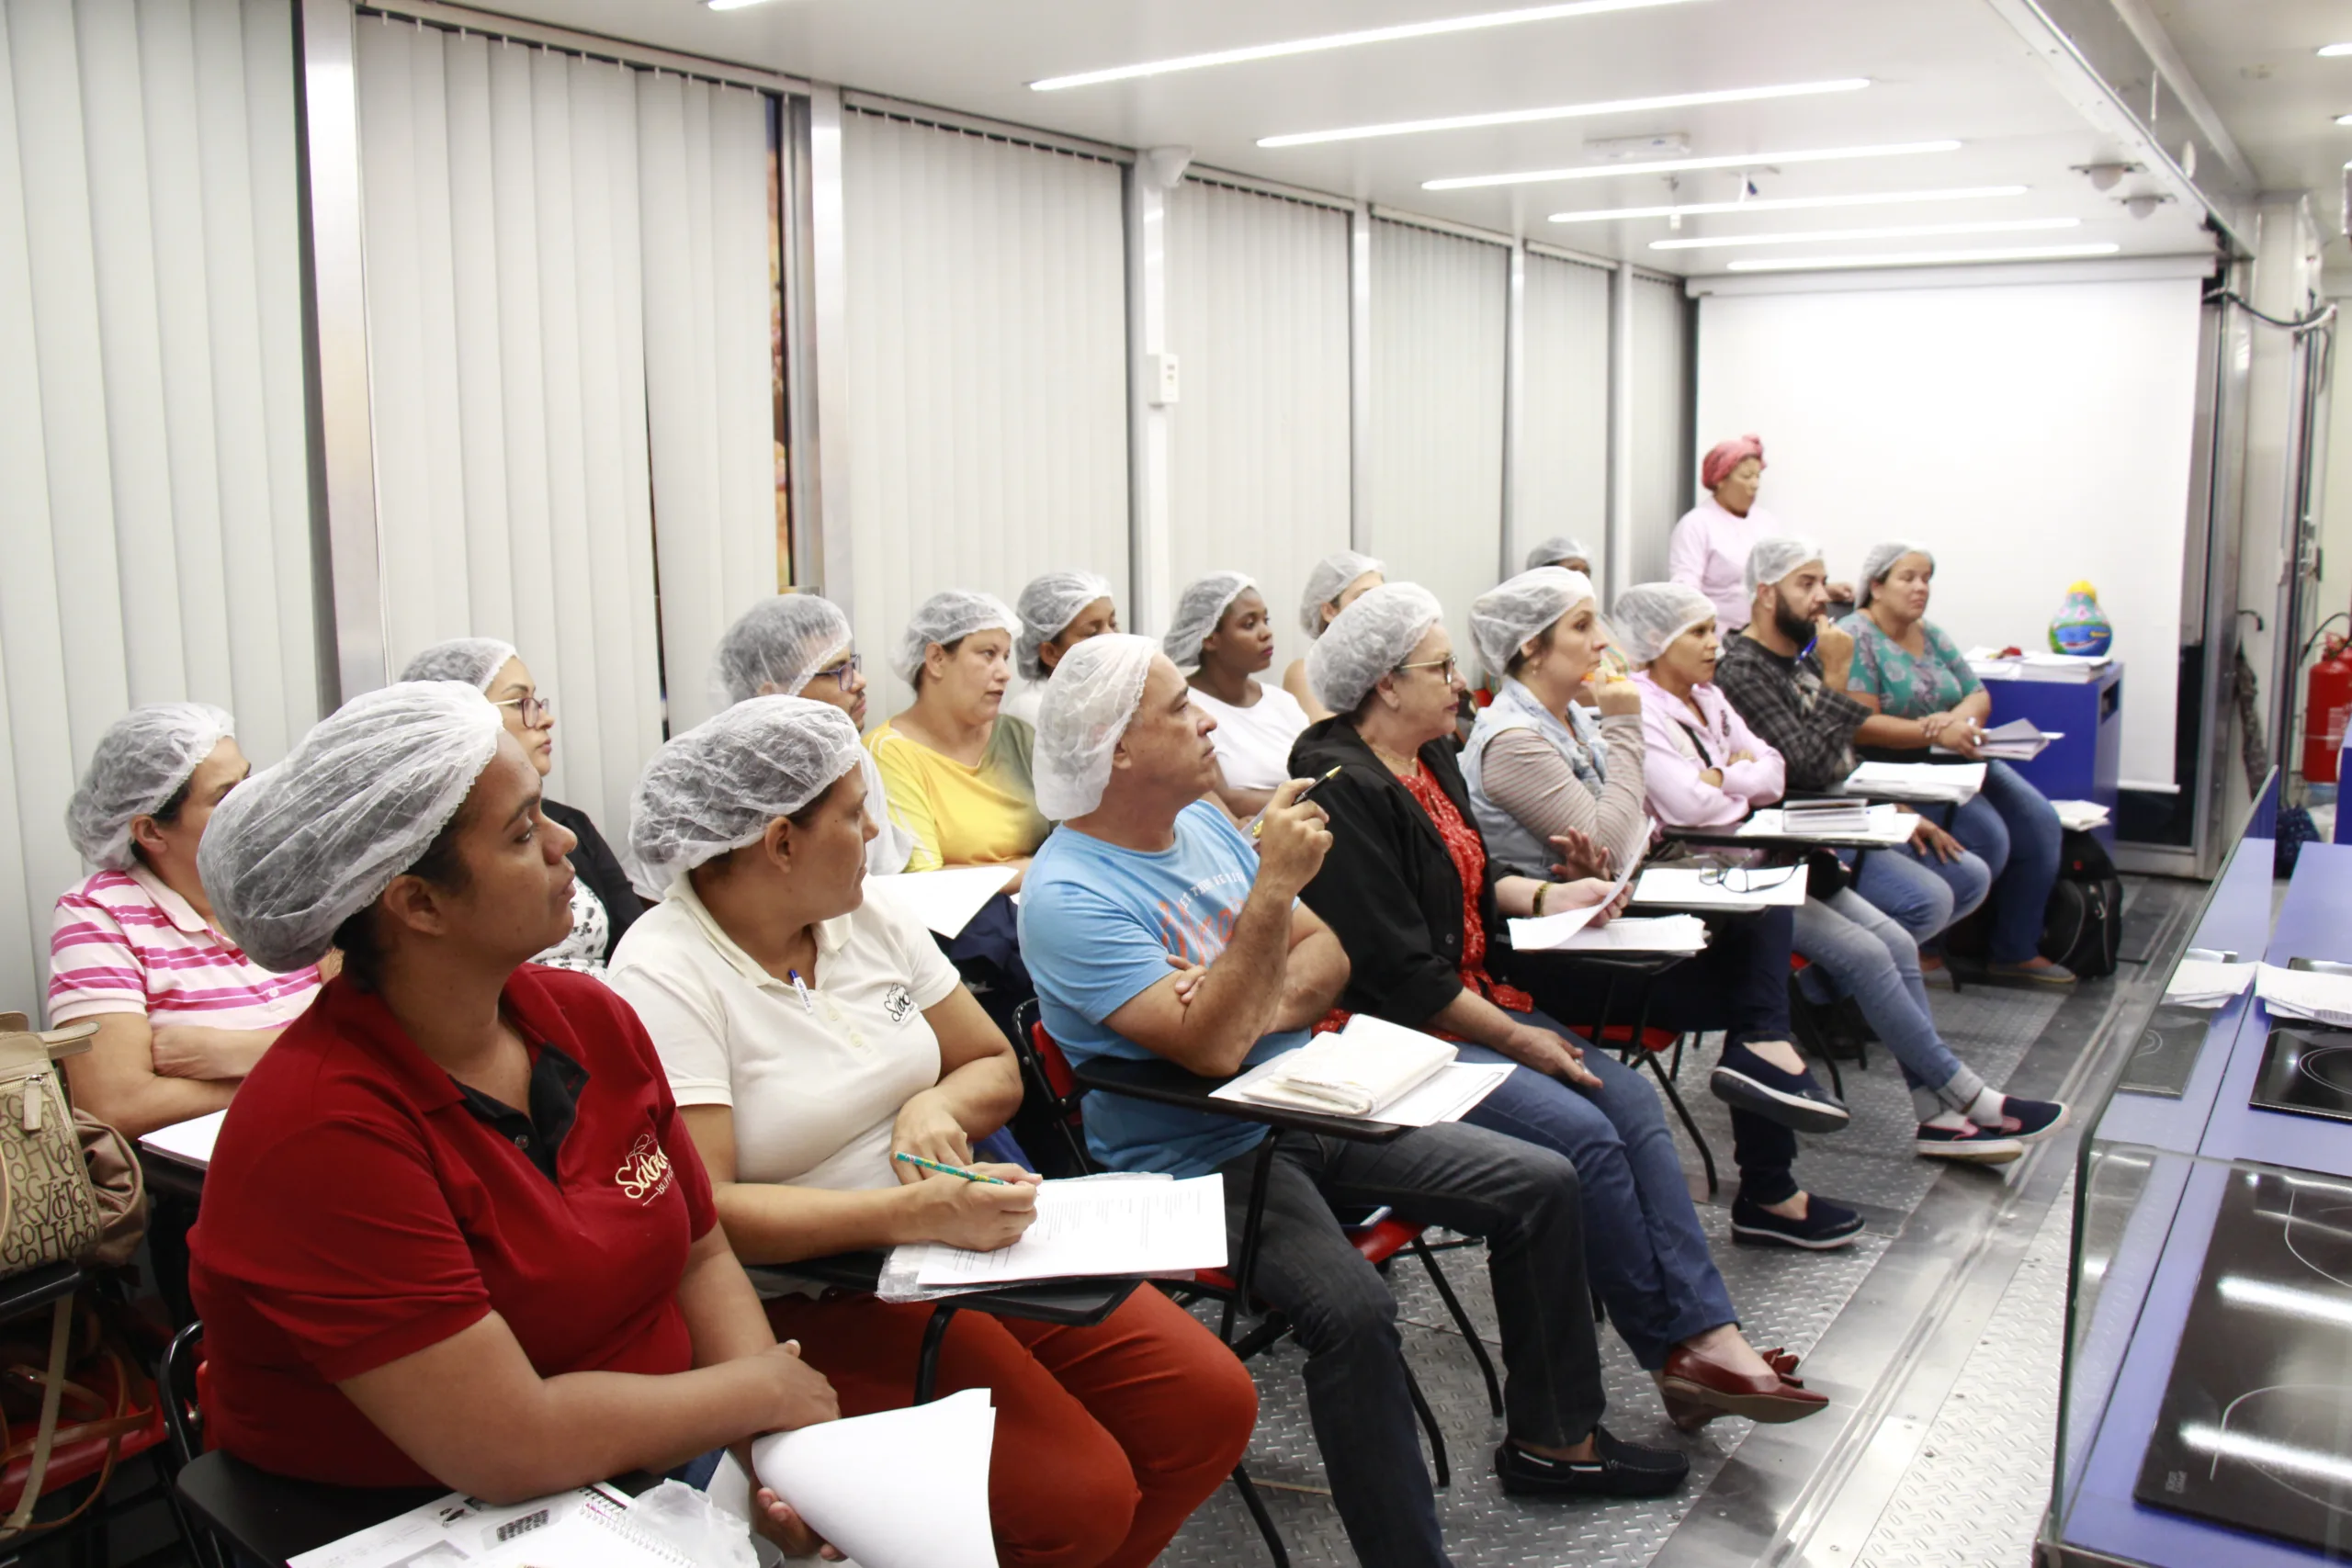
(1745, 1481)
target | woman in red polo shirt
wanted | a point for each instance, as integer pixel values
(452, 1231)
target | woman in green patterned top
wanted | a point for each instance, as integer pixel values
(1908, 669)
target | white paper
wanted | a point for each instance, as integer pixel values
(1956, 782)
(189, 1142)
(2298, 993)
(946, 899)
(1447, 1095)
(1668, 934)
(453, 1529)
(599, 1534)
(1356, 1072)
(1886, 826)
(1094, 1228)
(2206, 983)
(2082, 815)
(900, 1489)
(1734, 887)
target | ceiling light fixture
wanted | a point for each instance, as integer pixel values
(2334, 51)
(2344, 120)
(732, 4)
(1478, 23)
(1567, 111)
(1679, 165)
(1922, 258)
(1787, 204)
(1839, 236)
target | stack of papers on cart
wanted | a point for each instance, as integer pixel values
(2207, 983)
(1954, 783)
(2296, 993)
(1863, 825)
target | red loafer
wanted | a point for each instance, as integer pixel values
(1697, 1390)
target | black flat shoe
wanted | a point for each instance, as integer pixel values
(1744, 1079)
(1623, 1469)
(1826, 1228)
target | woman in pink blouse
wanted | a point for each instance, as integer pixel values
(1709, 550)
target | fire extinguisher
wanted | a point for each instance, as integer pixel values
(2325, 711)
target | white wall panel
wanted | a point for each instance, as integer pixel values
(987, 347)
(2055, 420)
(1563, 478)
(1662, 477)
(1258, 318)
(1438, 305)
(153, 493)
(568, 328)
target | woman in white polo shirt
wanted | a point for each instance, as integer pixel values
(183, 1014)
(810, 1036)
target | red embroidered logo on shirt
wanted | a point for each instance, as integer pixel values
(645, 1174)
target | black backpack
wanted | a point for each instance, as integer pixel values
(2083, 926)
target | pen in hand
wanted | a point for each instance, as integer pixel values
(1312, 786)
(951, 1169)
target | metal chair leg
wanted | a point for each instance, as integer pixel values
(1428, 1425)
(1674, 1097)
(1462, 1321)
(927, 1362)
(1264, 1520)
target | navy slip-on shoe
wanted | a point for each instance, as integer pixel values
(2028, 1121)
(1623, 1470)
(1826, 1228)
(1968, 1144)
(1746, 1081)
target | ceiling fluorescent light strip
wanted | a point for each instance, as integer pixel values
(1681, 165)
(1922, 258)
(732, 4)
(1892, 232)
(1787, 204)
(2335, 50)
(1568, 111)
(1345, 40)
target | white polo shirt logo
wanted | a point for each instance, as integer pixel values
(898, 1002)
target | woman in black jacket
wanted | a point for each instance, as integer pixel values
(604, 904)
(1410, 890)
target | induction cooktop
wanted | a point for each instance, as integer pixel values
(2167, 1052)
(2307, 1071)
(2255, 1427)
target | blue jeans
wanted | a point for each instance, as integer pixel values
(1643, 1248)
(2012, 828)
(1923, 894)
(1870, 957)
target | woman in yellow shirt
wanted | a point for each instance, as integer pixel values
(956, 767)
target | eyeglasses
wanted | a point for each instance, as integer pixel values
(533, 711)
(843, 674)
(1446, 667)
(1741, 879)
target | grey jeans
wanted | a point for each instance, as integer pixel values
(1524, 1201)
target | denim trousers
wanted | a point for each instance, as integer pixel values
(1923, 894)
(1642, 1247)
(2014, 830)
(1872, 958)
(1523, 1200)
(1738, 983)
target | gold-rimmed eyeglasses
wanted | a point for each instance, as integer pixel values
(533, 710)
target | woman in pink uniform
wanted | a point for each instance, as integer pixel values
(1710, 547)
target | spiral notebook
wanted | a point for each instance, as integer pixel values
(587, 1529)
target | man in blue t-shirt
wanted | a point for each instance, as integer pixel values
(1153, 930)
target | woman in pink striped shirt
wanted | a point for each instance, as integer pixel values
(183, 1014)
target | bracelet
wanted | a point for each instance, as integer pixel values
(1540, 889)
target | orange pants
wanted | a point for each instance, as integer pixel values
(1106, 1437)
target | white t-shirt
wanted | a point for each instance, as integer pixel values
(815, 1087)
(1253, 743)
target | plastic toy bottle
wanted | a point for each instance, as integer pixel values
(2080, 627)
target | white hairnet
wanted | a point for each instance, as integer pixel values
(1046, 607)
(1088, 705)
(947, 618)
(1881, 561)
(476, 660)
(1557, 549)
(140, 762)
(1198, 610)
(1775, 556)
(298, 849)
(717, 787)
(1328, 581)
(1368, 639)
(1649, 617)
(777, 643)
(1504, 617)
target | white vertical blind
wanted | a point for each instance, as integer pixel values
(986, 350)
(1563, 478)
(1258, 320)
(152, 475)
(1437, 303)
(1661, 396)
(567, 270)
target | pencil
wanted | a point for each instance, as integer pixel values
(951, 1169)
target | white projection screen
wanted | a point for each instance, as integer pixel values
(2028, 433)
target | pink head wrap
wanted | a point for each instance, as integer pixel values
(1726, 455)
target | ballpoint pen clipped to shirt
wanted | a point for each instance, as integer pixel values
(1312, 786)
(800, 986)
(951, 1169)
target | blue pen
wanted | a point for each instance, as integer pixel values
(802, 989)
(1807, 652)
